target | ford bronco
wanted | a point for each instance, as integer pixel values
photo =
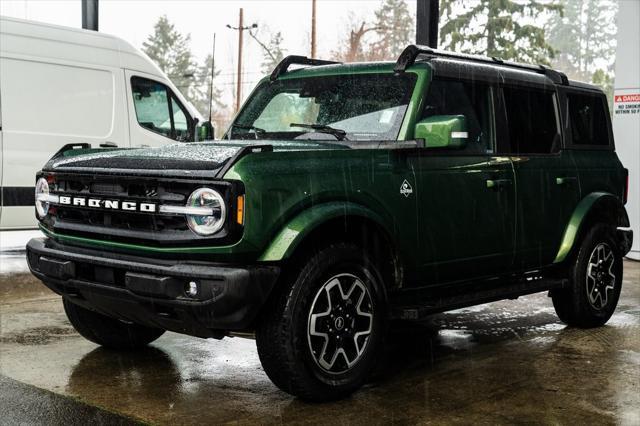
(343, 197)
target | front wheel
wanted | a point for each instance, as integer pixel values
(596, 281)
(321, 336)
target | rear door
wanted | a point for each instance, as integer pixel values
(466, 197)
(547, 184)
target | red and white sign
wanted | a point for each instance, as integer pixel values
(627, 98)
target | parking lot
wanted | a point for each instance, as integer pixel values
(511, 361)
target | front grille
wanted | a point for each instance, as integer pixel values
(130, 227)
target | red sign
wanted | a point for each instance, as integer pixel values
(627, 98)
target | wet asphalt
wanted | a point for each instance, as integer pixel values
(506, 362)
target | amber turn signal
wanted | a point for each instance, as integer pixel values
(240, 210)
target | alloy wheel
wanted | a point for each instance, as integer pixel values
(340, 323)
(600, 279)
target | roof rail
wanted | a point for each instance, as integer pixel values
(411, 52)
(282, 67)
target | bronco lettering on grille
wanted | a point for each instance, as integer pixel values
(107, 204)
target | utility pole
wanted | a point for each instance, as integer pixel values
(239, 83)
(240, 28)
(427, 17)
(313, 28)
(90, 15)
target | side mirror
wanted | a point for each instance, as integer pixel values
(205, 131)
(442, 131)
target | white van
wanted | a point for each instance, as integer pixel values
(62, 85)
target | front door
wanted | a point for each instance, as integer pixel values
(466, 196)
(156, 116)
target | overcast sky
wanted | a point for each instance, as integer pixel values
(133, 21)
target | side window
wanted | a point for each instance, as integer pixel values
(473, 100)
(588, 120)
(158, 110)
(532, 122)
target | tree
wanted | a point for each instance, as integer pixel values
(585, 38)
(203, 85)
(508, 29)
(351, 49)
(394, 26)
(272, 52)
(170, 50)
(391, 31)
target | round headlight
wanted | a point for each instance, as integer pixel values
(42, 197)
(204, 223)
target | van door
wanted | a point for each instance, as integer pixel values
(47, 105)
(547, 181)
(466, 196)
(157, 117)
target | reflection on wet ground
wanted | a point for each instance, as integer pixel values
(506, 362)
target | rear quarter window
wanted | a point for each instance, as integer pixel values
(588, 119)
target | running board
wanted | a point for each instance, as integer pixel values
(440, 300)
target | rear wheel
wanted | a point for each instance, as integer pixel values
(323, 331)
(596, 281)
(107, 331)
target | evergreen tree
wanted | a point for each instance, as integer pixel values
(170, 50)
(203, 84)
(585, 39)
(394, 27)
(508, 29)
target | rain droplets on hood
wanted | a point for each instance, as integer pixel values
(194, 152)
(180, 156)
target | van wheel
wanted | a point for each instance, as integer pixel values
(322, 333)
(596, 281)
(107, 331)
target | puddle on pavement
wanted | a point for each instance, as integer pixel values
(504, 362)
(38, 336)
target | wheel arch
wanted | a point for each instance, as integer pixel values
(595, 207)
(336, 221)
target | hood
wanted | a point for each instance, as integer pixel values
(181, 158)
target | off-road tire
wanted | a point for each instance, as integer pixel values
(573, 304)
(284, 333)
(108, 332)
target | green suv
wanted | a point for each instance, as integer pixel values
(343, 197)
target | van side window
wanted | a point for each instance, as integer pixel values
(473, 100)
(158, 110)
(588, 120)
(532, 123)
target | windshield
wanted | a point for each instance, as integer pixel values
(351, 107)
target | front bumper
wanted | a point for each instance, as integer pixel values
(151, 292)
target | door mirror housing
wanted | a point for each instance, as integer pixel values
(443, 131)
(205, 131)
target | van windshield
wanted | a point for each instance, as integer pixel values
(351, 107)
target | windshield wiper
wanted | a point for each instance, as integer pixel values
(340, 134)
(256, 130)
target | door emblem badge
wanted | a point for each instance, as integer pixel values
(406, 189)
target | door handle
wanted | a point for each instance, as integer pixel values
(108, 144)
(566, 180)
(498, 183)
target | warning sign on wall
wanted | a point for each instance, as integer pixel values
(626, 104)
